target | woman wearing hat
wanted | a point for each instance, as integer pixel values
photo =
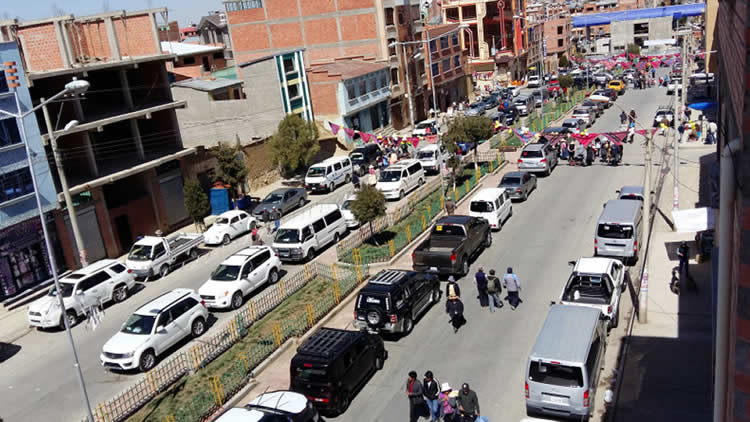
(447, 399)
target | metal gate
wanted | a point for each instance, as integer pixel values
(90, 234)
(173, 197)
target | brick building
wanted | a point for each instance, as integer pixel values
(447, 65)
(169, 32)
(193, 60)
(732, 278)
(123, 160)
(557, 32)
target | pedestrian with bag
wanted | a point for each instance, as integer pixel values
(452, 290)
(468, 404)
(448, 403)
(431, 389)
(455, 310)
(513, 285)
(481, 280)
(494, 288)
(415, 393)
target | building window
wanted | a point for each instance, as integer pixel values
(350, 91)
(9, 134)
(3, 83)
(362, 87)
(433, 46)
(559, 30)
(219, 55)
(293, 90)
(389, 16)
(383, 80)
(446, 65)
(400, 18)
(15, 184)
(559, 43)
(372, 84)
(456, 61)
(233, 6)
(289, 64)
(454, 39)
(435, 69)
(443, 42)
(188, 60)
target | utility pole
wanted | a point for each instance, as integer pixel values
(643, 292)
(683, 104)
(66, 191)
(408, 85)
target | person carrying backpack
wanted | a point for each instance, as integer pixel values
(494, 288)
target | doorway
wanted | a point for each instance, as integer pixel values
(123, 232)
(206, 66)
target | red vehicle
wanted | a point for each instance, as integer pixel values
(554, 87)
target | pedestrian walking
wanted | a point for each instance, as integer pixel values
(355, 180)
(452, 290)
(571, 152)
(415, 394)
(681, 129)
(623, 117)
(431, 389)
(513, 285)
(683, 252)
(481, 281)
(494, 288)
(632, 117)
(468, 404)
(450, 206)
(448, 403)
(589, 155)
(276, 216)
(455, 310)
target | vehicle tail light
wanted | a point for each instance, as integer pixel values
(203, 302)
(412, 256)
(394, 319)
(130, 271)
(596, 248)
(543, 160)
(526, 389)
(318, 399)
(518, 190)
(307, 365)
(635, 246)
(453, 258)
(609, 309)
(586, 398)
(520, 161)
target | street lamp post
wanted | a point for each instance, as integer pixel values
(74, 88)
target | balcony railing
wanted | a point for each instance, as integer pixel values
(368, 99)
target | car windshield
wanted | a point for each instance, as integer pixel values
(570, 124)
(226, 273)
(347, 204)
(615, 231)
(139, 324)
(65, 288)
(390, 176)
(140, 253)
(511, 180)
(481, 206)
(477, 105)
(447, 230)
(553, 130)
(425, 154)
(221, 220)
(287, 236)
(316, 171)
(424, 125)
(308, 373)
(579, 111)
(632, 196)
(273, 198)
(553, 374)
(357, 157)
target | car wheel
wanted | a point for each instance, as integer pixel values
(310, 255)
(148, 361)
(301, 203)
(236, 300)
(198, 327)
(435, 296)
(400, 195)
(331, 187)
(72, 319)
(408, 324)
(344, 403)
(525, 196)
(194, 253)
(226, 239)
(348, 178)
(464, 266)
(421, 182)
(379, 363)
(163, 271)
(120, 293)
(336, 238)
(616, 320)
(488, 239)
(273, 276)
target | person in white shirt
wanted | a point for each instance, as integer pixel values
(513, 285)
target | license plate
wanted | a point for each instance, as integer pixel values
(557, 400)
(283, 253)
(433, 269)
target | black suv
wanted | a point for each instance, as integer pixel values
(365, 155)
(332, 364)
(393, 299)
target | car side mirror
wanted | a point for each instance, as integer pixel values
(161, 330)
(571, 263)
(617, 191)
(79, 292)
(604, 205)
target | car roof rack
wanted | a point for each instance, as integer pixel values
(388, 277)
(326, 342)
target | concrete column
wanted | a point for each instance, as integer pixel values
(126, 89)
(61, 44)
(111, 244)
(154, 192)
(114, 44)
(65, 239)
(68, 44)
(86, 139)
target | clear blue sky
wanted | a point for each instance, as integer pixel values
(184, 11)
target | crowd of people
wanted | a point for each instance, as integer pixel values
(430, 398)
(489, 290)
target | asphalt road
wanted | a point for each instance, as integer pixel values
(39, 382)
(554, 226)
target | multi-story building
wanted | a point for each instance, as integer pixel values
(536, 46)
(123, 160)
(24, 259)
(494, 35)
(557, 33)
(446, 64)
(169, 31)
(214, 30)
(193, 60)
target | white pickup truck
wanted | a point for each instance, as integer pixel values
(596, 283)
(154, 255)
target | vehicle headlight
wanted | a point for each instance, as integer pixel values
(128, 355)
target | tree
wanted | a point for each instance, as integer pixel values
(369, 205)
(563, 62)
(579, 56)
(230, 166)
(196, 202)
(469, 130)
(294, 144)
(634, 49)
(566, 81)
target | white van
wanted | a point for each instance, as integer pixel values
(400, 178)
(327, 174)
(432, 157)
(492, 204)
(309, 232)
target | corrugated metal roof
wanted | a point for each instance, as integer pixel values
(348, 69)
(228, 73)
(676, 12)
(207, 85)
(185, 49)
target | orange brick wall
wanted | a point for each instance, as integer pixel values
(321, 31)
(286, 35)
(279, 9)
(140, 36)
(40, 48)
(358, 27)
(323, 97)
(315, 7)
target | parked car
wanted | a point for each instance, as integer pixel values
(493, 205)
(364, 156)
(103, 281)
(605, 92)
(491, 101)
(327, 174)
(227, 226)
(533, 81)
(540, 95)
(393, 299)
(432, 156)
(279, 406)
(239, 275)
(574, 125)
(518, 184)
(333, 364)
(153, 329)
(152, 256)
(397, 180)
(515, 91)
(587, 116)
(538, 158)
(283, 199)
(664, 112)
(636, 193)
(600, 106)
(475, 109)
(556, 130)
(617, 85)
(596, 283)
(674, 86)
(351, 220)
(452, 242)
(302, 236)
(591, 107)
(524, 104)
(426, 127)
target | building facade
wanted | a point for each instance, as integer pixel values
(24, 259)
(214, 30)
(446, 65)
(193, 60)
(123, 160)
(557, 32)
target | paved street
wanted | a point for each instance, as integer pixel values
(41, 371)
(554, 226)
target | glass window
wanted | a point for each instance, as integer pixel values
(259, 259)
(3, 83)
(615, 231)
(333, 217)
(350, 91)
(560, 43)
(443, 42)
(293, 90)
(9, 134)
(319, 225)
(591, 359)
(219, 55)
(454, 39)
(15, 184)
(435, 69)
(362, 87)
(337, 166)
(372, 84)
(118, 268)
(553, 374)
(383, 79)
(559, 30)
(188, 60)
(159, 250)
(446, 65)
(456, 61)
(289, 64)
(433, 46)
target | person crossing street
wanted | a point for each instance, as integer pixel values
(513, 285)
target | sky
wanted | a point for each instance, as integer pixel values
(184, 11)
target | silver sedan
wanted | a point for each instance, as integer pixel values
(283, 199)
(519, 184)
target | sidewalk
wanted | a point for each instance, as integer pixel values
(667, 369)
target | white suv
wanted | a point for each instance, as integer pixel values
(103, 281)
(239, 275)
(153, 329)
